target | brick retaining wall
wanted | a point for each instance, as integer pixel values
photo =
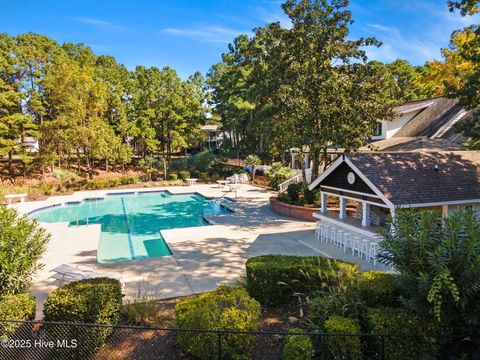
(295, 211)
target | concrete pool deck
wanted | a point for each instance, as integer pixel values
(202, 257)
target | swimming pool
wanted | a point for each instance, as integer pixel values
(131, 222)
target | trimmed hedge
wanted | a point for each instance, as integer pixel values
(94, 301)
(15, 307)
(173, 177)
(297, 347)
(343, 347)
(275, 279)
(378, 288)
(389, 320)
(226, 308)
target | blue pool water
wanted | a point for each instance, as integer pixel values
(131, 223)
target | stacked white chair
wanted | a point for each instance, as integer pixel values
(326, 233)
(372, 252)
(318, 229)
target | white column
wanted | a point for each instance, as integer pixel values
(292, 164)
(343, 208)
(324, 202)
(365, 214)
(444, 210)
(306, 161)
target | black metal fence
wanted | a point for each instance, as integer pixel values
(49, 340)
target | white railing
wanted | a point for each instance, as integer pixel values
(294, 180)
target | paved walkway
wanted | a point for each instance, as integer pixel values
(203, 257)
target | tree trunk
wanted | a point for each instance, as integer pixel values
(324, 158)
(10, 163)
(304, 172)
(106, 164)
(78, 161)
(316, 165)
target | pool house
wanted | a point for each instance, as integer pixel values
(359, 191)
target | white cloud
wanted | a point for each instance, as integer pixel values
(100, 24)
(215, 34)
(396, 45)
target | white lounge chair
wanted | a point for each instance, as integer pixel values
(243, 178)
(66, 273)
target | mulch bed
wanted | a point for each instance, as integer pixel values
(149, 344)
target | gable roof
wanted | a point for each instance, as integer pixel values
(409, 178)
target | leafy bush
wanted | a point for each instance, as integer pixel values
(202, 175)
(46, 188)
(275, 279)
(112, 182)
(225, 308)
(284, 197)
(127, 180)
(173, 177)
(343, 347)
(203, 161)
(438, 266)
(66, 178)
(22, 244)
(279, 174)
(95, 184)
(15, 307)
(294, 191)
(310, 196)
(377, 288)
(94, 301)
(297, 347)
(184, 174)
(398, 321)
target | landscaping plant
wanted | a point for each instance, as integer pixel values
(297, 347)
(92, 301)
(22, 244)
(438, 263)
(252, 161)
(227, 308)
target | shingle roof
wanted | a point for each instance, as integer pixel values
(420, 143)
(408, 178)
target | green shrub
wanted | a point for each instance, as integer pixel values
(225, 308)
(294, 191)
(184, 174)
(398, 321)
(343, 347)
(46, 188)
(202, 175)
(112, 182)
(377, 288)
(15, 307)
(310, 196)
(95, 184)
(284, 197)
(22, 244)
(173, 177)
(94, 301)
(297, 347)
(127, 180)
(274, 279)
(279, 174)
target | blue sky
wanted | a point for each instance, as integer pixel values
(190, 35)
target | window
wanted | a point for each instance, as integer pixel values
(378, 129)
